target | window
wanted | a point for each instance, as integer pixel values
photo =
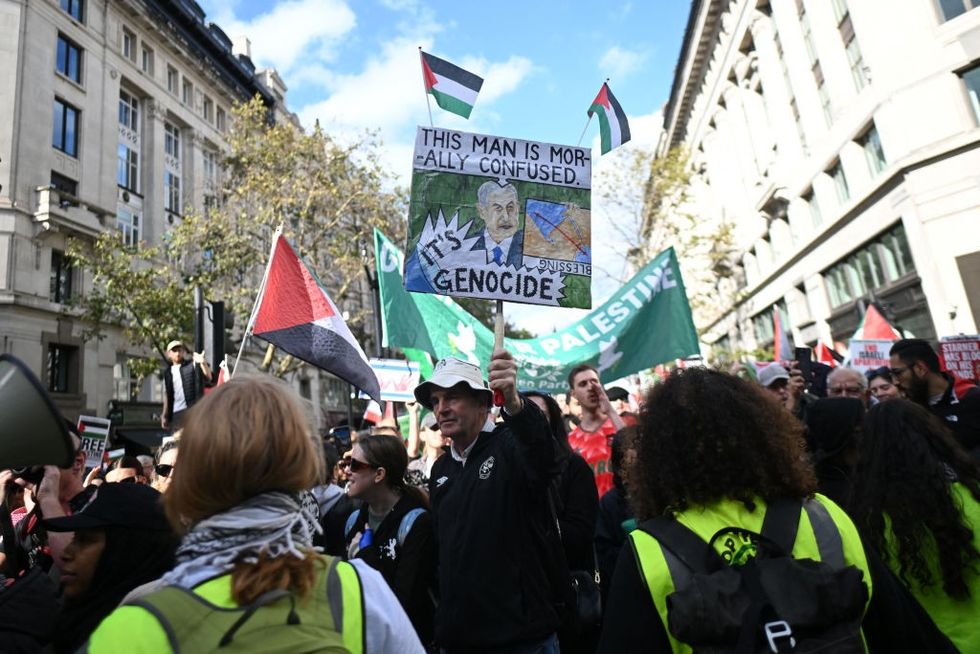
(128, 224)
(146, 60)
(60, 290)
(187, 92)
(219, 119)
(69, 59)
(208, 110)
(873, 152)
(171, 191)
(972, 80)
(60, 367)
(210, 167)
(762, 323)
(73, 8)
(814, 207)
(877, 264)
(854, 58)
(836, 173)
(171, 140)
(950, 9)
(828, 112)
(64, 184)
(128, 168)
(128, 111)
(65, 128)
(129, 45)
(172, 78)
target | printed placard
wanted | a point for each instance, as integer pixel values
(961, 356)
(94, 432)
(868, 355)
(397, 379)
(500, 219)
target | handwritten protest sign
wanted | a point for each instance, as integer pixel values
(500, 219)
(961, 356)
(397, 379)
(94, 432)
(868, 355)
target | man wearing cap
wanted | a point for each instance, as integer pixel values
(788, 386)
(184, 383)
(490, 512)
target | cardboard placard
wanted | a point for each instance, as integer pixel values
(500, 219)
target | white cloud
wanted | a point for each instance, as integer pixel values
(500, 78)
(291, 31)
(617, 62)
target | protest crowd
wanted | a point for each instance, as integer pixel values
(723, 511)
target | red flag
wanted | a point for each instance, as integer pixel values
(296, 315)
(373, 412)
(875, 327)
(782, 349)
(827, 356)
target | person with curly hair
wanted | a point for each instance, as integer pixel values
(917, 498)
(713, 453)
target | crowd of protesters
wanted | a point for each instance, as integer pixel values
(719, 511)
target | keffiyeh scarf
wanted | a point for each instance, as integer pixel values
(275, 524)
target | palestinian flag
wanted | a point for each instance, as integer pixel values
(613, 126)
(296, 315)
(874, 326)
(453, 88)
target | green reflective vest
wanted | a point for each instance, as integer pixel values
(825, 534)
(180, 621)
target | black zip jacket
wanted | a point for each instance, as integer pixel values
(408, 569)
(492, 519)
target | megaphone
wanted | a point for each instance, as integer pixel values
(32, 430)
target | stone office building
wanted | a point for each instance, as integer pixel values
(112, 117)
(840, 139)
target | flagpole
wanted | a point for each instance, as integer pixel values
(425, 90)
(498, 343)
(258, 298)
(582, 135)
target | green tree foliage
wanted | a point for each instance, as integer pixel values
(327, 195)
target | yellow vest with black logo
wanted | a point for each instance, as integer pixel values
(825, 534)
(335, 601)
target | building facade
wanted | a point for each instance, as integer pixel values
(841, 142)
(112, 117)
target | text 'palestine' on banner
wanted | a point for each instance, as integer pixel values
(500, 219)
(646, 322)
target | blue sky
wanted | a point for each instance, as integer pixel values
(353, 65)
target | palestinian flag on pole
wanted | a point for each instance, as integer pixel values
(453, 88)
(295, 314)
(614, 129)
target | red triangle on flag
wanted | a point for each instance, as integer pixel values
(292, 294)
(876, 327)
(602, 98)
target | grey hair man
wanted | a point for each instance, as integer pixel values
(847, 382)
(499, 210)
(495, 592)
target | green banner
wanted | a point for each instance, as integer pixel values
(645, 323)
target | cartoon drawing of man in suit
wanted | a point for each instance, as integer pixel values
(498, 207)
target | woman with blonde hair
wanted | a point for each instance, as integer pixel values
(247, 576)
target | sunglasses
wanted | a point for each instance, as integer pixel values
(356, 466)
(164, 470)
(127, 480)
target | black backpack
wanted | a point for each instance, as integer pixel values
(769, 602)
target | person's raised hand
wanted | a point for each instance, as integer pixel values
(198, 357)
(503, 377)
(50, 483)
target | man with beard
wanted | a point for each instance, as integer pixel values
(915, 370)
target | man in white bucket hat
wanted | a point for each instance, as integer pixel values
(489, 503)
